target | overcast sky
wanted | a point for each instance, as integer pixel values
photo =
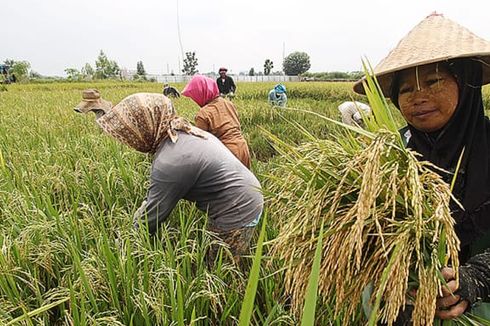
(239, 34)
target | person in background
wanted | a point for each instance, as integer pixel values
(226, 85)
(435, 77)
(218, 116)
(351, 112)
(93, 102)
(277, 96)
(190, 164)
(170, 91)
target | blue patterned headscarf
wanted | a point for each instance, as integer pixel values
(280, 88)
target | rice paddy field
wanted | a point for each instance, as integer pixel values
(68, 252)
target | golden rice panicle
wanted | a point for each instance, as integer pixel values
(386, 217)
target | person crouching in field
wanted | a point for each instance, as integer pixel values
(190, 164)
(351, 112)
(92, 102)
(277, 96)
(218, 116)
(170, 91)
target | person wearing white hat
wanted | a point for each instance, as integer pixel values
(434, 77)
(351, 112)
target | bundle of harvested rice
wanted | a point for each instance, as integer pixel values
(386, 215)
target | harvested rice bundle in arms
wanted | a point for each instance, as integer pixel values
(386, 215)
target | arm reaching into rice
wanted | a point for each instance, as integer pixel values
(168, 184)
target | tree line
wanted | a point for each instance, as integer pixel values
(295, 64)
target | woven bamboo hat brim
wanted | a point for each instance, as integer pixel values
(434, 39)
(91, 100)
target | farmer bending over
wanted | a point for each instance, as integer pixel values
(170, 91)
(92, 102)
(351, 112)
(277, 96)
(218, 116)
(190, 164)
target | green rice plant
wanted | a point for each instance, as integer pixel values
(386, 216)
(253, 280)
(308, 318)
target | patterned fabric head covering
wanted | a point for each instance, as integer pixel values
(201, 89)
(143, 120)
(280, 88)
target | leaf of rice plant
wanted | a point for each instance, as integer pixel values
(253, 280)
(309, 307)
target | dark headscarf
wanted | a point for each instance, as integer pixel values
(468, 128)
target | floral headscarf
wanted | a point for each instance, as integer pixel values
(201, 89)
(143, 120)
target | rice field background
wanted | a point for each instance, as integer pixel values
(68, 252)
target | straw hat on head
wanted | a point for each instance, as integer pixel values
(91, 101)
(434, 39)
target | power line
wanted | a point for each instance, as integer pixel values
(178, 32)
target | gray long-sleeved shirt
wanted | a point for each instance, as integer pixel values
(203, 171)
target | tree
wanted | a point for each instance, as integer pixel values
(140, 70)
(88, 72)
(296, 63)
(251, 72)
(35, 75)
(19, 69)
(105, 68)
(73, 74)
(190, 64)
(268, 65)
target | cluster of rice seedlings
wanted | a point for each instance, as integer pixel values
(386, 218)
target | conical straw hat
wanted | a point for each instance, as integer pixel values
(434, 39)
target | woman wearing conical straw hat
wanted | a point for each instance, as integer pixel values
(434, 77)
(188, 163)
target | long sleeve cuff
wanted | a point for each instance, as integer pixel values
(474, 279)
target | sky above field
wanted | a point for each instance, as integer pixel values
(239, 34)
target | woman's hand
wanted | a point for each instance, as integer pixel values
(450, 305)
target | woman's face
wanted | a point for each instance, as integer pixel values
(428, 96)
